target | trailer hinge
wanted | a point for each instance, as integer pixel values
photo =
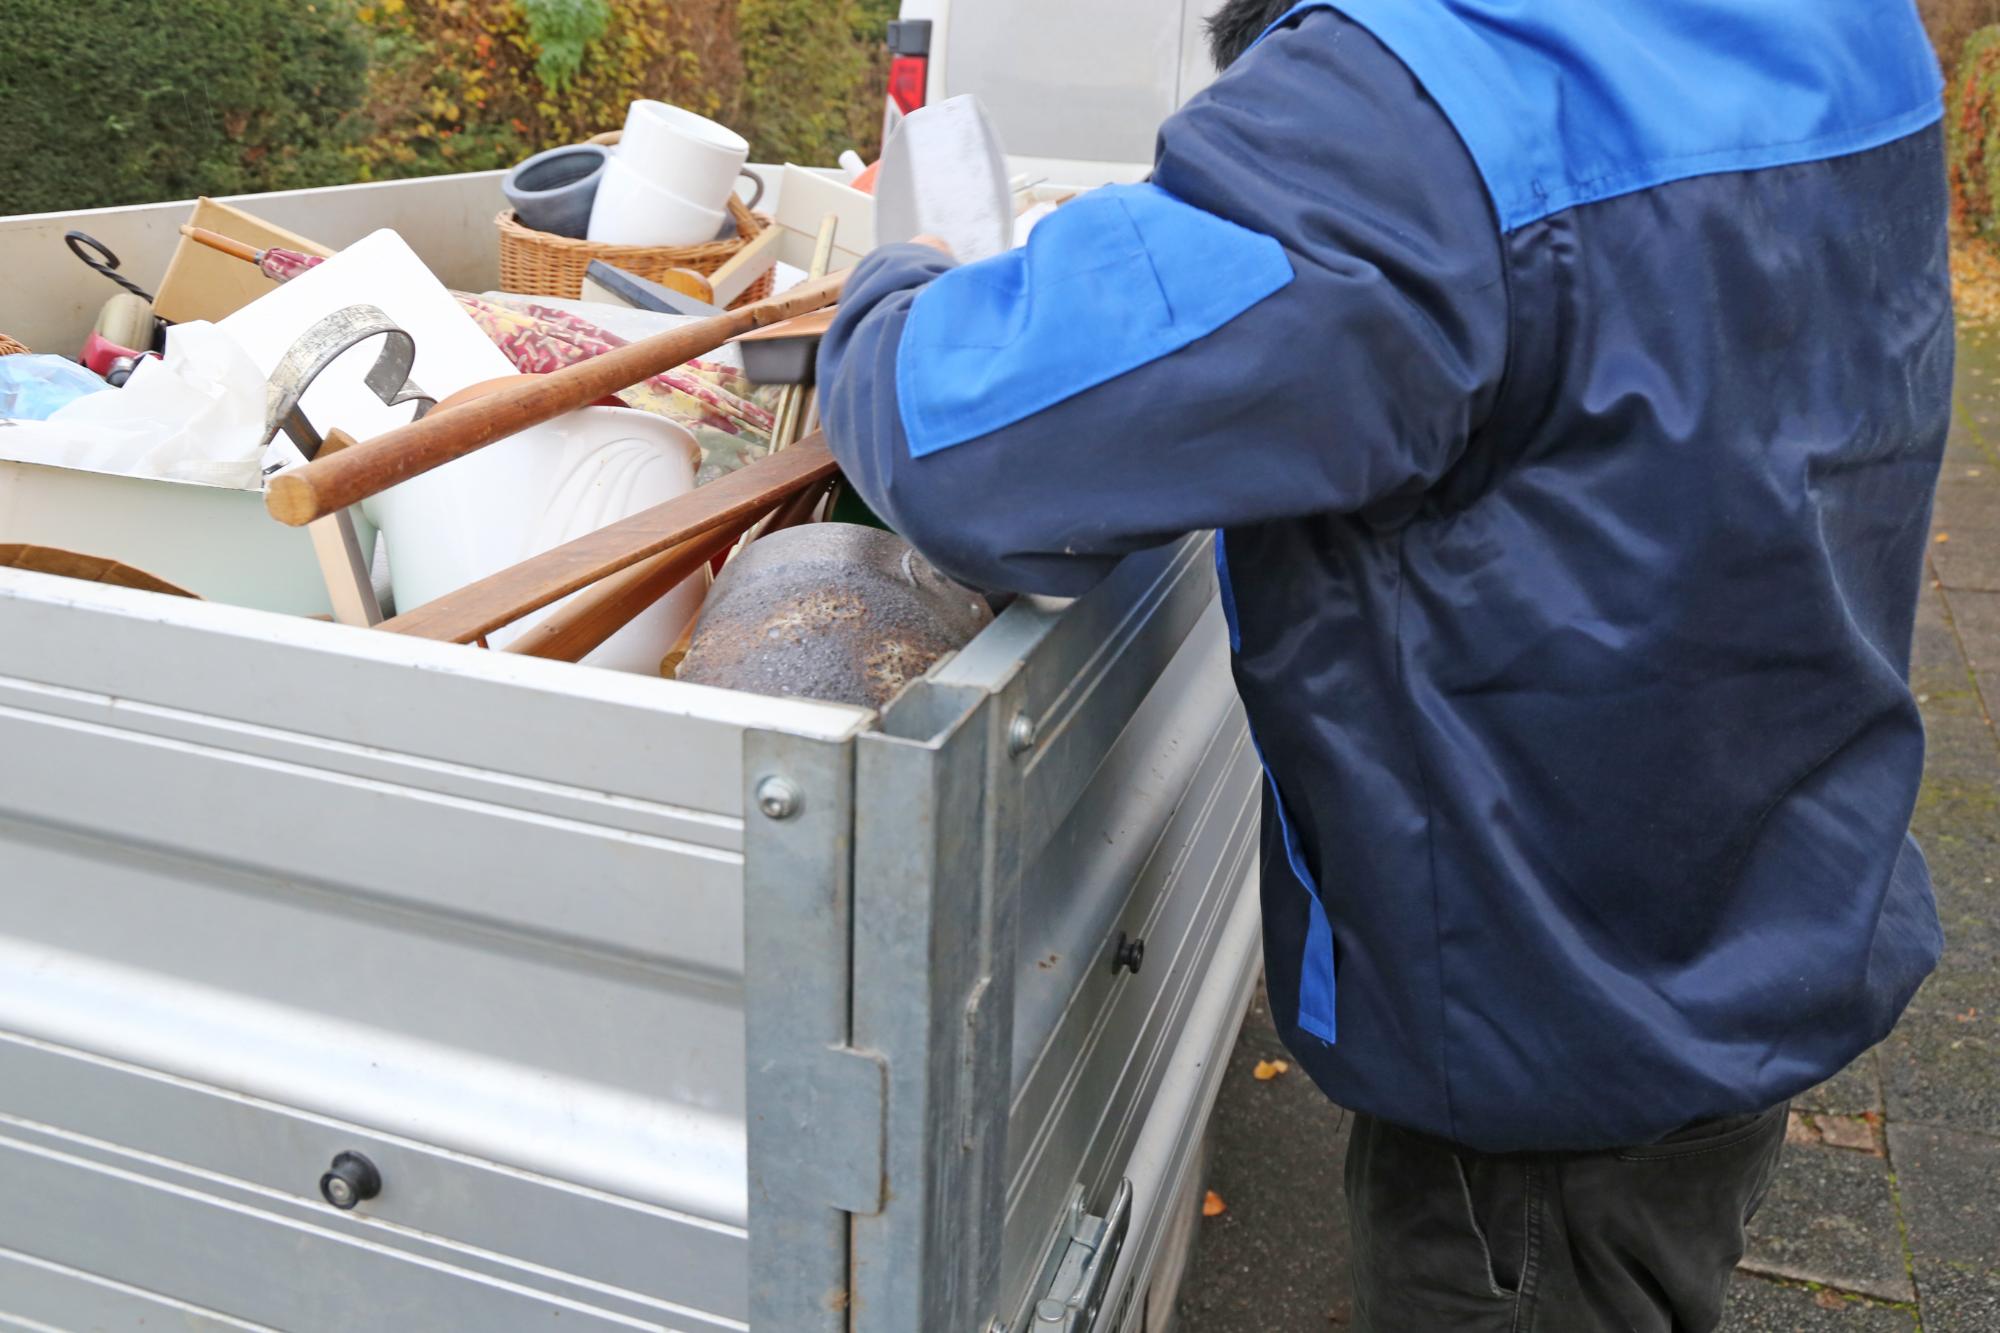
(848, 1091)
(1076, 1275)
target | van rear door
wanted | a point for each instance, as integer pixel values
(1077, 91)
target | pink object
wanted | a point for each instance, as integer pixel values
(100, 352)
(282, 265)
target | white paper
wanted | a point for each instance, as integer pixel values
(944, 174)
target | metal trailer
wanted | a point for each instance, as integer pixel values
(648, 1005)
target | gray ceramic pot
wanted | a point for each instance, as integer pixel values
(829, 611)
(554, 191)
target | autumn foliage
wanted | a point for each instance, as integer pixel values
(463, 85)
(1972, 128)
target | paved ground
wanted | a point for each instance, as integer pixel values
(1886, 1215)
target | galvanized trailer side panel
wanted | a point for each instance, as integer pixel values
(1063, 732)
(625, 1055)
(275, 889)
(1090, 1086)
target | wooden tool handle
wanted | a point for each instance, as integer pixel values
(228, 245)
(326, 485)
(480, 608)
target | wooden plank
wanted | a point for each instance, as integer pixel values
(583, 625)
(812, 326)
(501, 599)
(311, 492)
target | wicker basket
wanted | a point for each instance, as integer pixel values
(538, 263)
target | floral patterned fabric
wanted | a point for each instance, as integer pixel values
(714, 401)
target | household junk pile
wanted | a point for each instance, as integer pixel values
(560, 467)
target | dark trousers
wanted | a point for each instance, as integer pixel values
(1447, 1240)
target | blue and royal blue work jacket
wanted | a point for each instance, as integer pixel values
(1567, 382)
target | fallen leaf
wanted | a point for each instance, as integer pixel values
(1943, 537)
(1212, 1205)
(1267, 1070)
(1855, 1135)
(1973, 472)
(1828, 1300)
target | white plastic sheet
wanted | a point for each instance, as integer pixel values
(196, 416)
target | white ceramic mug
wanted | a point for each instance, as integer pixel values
(690, 155)
(631, 210)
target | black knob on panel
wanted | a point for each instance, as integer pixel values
(1130, 955)
(350, 1180)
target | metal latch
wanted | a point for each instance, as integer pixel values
(1083, 1265)
(350, 587)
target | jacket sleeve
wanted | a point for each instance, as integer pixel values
(1303, 312)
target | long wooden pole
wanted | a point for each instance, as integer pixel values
(582, 625)
(500, 599)
(329, 484)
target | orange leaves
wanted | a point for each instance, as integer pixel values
(1212, 1205)
(455, 82)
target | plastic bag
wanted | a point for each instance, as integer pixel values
(196, 416)
(32, 387)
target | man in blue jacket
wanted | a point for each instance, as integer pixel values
(1567, 382)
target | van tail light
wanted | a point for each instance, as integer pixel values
(910, 71)
(908, 76)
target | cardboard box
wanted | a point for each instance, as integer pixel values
(206, 284)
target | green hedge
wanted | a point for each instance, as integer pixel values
(815, 73)
(115, 103)
(1972, 130)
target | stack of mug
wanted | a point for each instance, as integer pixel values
(666, 183)
(668, 180)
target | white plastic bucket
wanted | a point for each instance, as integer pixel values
(495, 507)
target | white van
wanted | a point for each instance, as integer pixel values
(1077, 91)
